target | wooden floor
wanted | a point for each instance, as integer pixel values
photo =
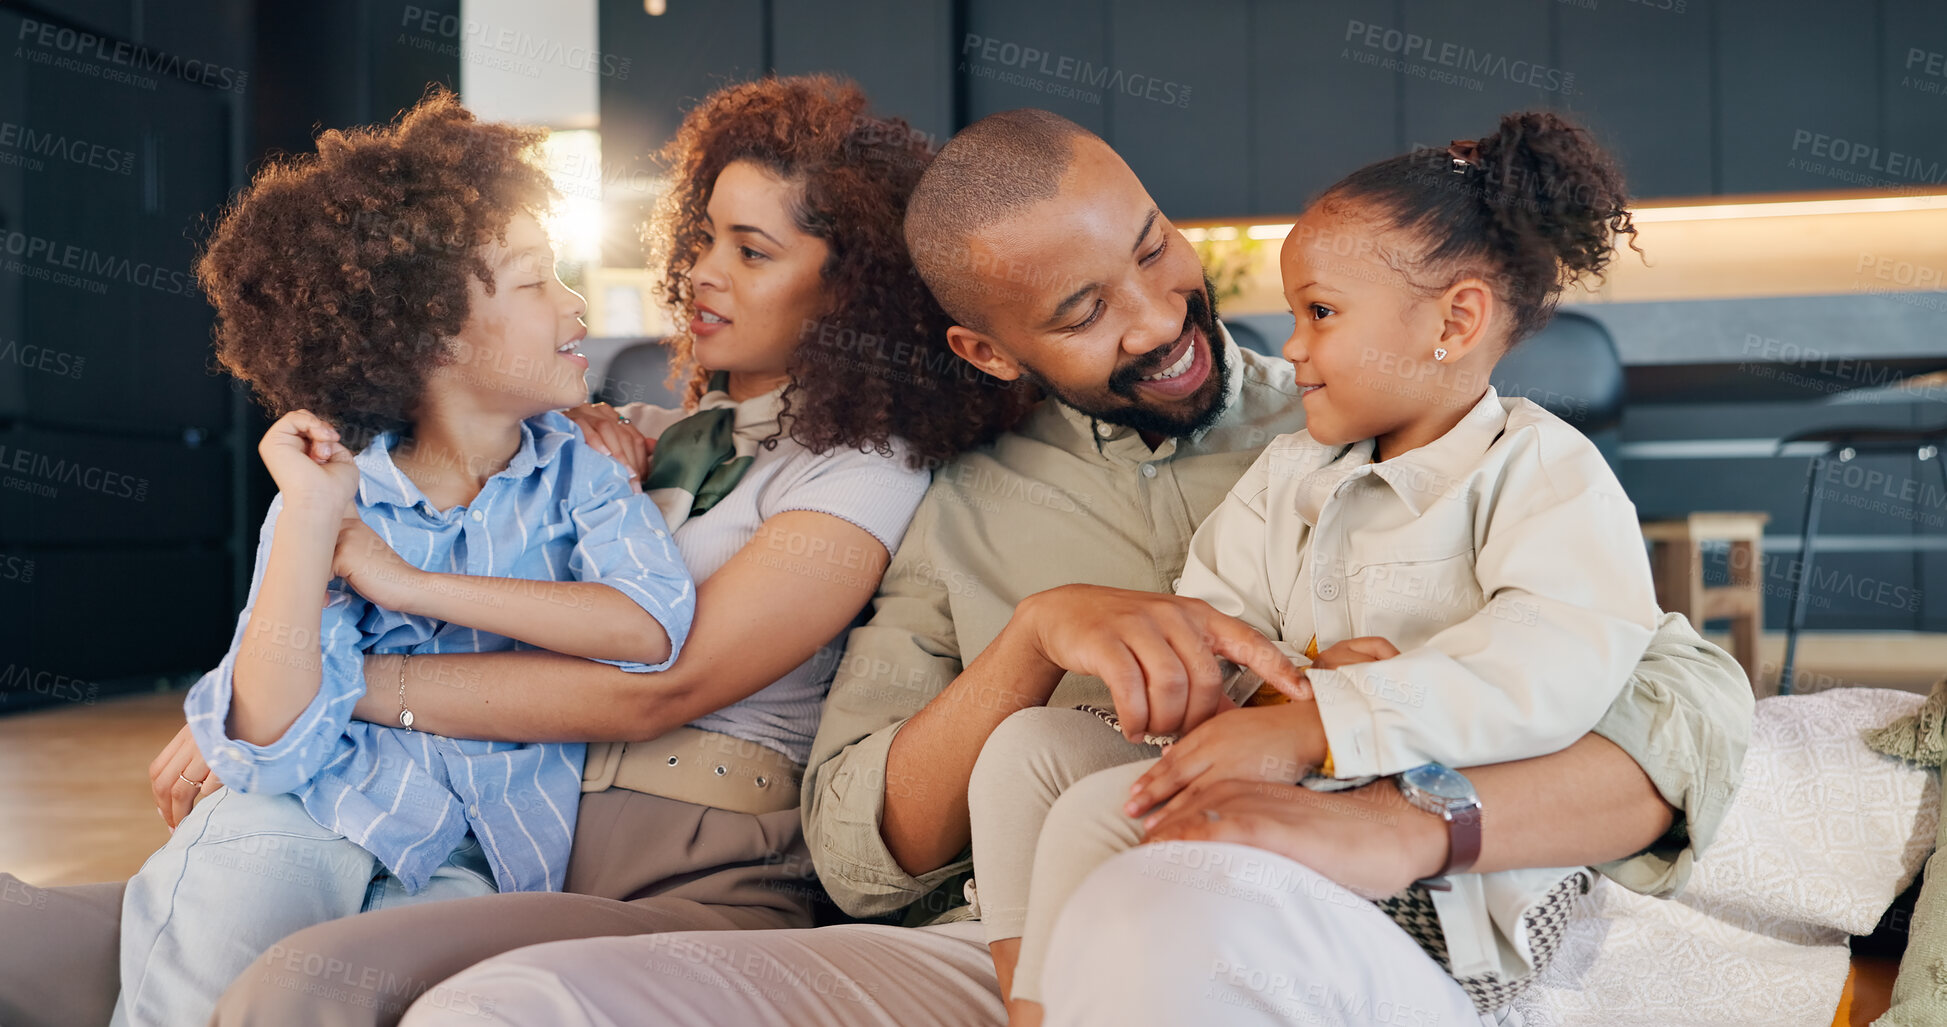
(74, 788)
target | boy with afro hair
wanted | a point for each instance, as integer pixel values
(392, 299)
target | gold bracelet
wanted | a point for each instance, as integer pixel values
(405, 715)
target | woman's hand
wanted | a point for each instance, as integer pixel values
(1282, 742)
(606, 432)
(179, 777)
(1367, 839)
(1157, 653)
(311, 467)
(372, 568)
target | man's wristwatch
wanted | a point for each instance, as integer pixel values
(1447, 794)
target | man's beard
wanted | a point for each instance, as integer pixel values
(1132, 413)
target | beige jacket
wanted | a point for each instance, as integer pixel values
(1503, 560)
(1063, 499)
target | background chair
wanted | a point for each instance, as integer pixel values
(1842, 445)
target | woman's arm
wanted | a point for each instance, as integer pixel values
(575, 618)
(763, 613)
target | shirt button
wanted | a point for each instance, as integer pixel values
(1176, 584)
(660, 533)
(478, 515)
(473, 811)
(1149, 470)
(238, 753)
(1327, 590)
(1104, 430)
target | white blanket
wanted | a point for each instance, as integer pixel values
(1823, 835)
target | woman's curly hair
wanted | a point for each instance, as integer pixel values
(878, 366)
(339, 277)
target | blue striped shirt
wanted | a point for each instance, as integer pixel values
(560, 511)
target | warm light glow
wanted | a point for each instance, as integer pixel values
(1788, 208)
(574, 163)
(655, 6)
(1791, 244)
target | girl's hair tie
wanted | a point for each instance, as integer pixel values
(1466, 153)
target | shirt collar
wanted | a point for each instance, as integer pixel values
(381, 482)
(1103, 433)
(1439, 468)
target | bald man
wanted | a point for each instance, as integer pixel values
(1055, 548)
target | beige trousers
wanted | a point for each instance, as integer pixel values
(640, 864)
(1045, 803)
(1165, 935)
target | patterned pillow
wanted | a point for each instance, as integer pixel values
(1823, 835)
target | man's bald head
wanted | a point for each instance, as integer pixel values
(991, 170)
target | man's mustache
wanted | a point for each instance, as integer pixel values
(1125, 377)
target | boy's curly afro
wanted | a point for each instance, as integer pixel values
(338, 276)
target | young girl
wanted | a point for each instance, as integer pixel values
(1462, 572)
(394, 297)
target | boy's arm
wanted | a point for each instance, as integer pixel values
(630, 604)
(276, 663)
(322, 649)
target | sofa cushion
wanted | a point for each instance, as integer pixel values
(1823, 835)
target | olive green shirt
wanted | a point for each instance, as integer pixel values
(1067, 499)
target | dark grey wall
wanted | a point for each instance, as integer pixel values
(1246, 107)
(130, 491)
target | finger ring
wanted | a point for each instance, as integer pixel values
(187, 781)
(622, 417)
(1212, 815)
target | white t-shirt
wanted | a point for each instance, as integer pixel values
(877, 493)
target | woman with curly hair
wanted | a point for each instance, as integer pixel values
(820, 390)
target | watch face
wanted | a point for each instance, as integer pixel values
(1442, 782)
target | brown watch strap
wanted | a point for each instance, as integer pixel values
(1464, 839)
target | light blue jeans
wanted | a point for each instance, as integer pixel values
(240, 873)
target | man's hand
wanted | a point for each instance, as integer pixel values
(1282, 743)
(1368, 839)
(171, 774)
(604, 430)
(1157, 653)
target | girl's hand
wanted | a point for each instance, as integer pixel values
(311, 467)
(608, 435)
(170, 776)
(1281, 742)
(1364, 649)
(371, 567)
